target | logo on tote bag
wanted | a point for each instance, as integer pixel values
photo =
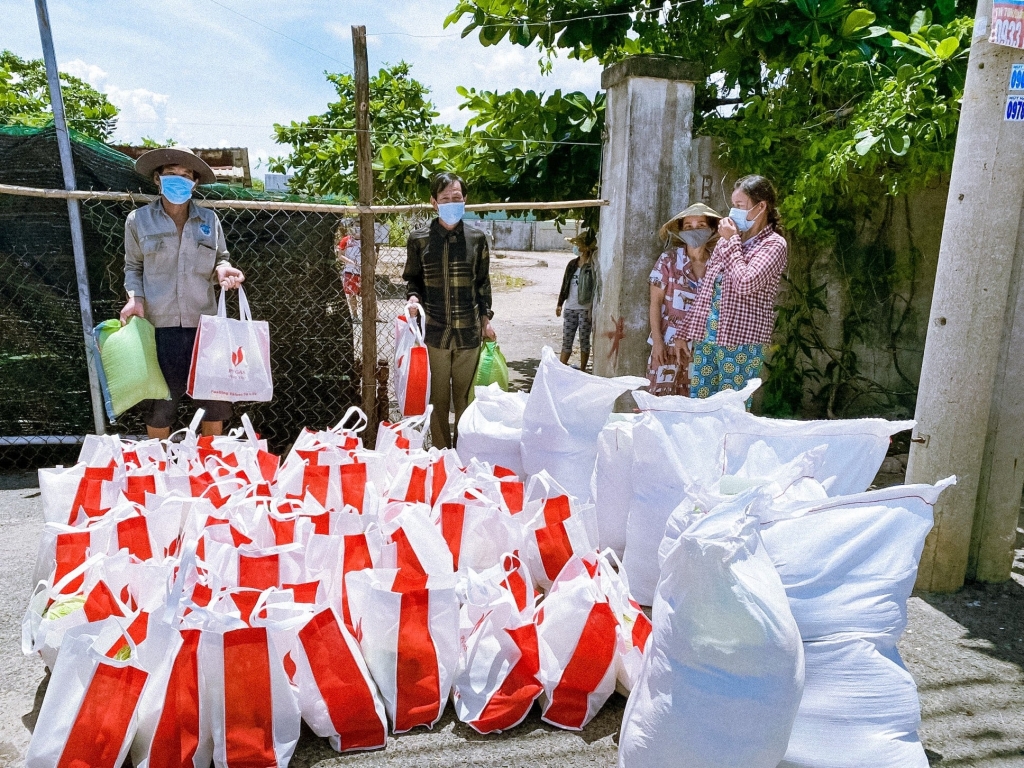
(239, 370)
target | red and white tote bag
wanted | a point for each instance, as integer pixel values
(93, 720)
(412, 365)
(231, 358)
(246, 696)
(410, 641)
(337, 697)
(580, 643)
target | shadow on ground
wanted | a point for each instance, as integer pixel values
(451, 742)
(527, 370)
(992, 614)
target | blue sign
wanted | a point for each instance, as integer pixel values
(1015, 108)
(1017, 77)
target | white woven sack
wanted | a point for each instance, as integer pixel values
(849, 565)
(611, 485)
(491, 428)
(564, 414)
(723, 669)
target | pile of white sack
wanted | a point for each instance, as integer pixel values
(778, 582)
(197, 598)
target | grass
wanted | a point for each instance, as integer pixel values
(503, 282)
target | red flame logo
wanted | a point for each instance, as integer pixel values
(237, 357)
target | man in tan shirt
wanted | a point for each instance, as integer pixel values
(175, 255)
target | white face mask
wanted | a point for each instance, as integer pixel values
(739, 217)
(451, 213)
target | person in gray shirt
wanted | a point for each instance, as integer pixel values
(175, 256)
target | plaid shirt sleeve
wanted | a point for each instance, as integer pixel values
(483, 281)
(413, 273)
(763, 269)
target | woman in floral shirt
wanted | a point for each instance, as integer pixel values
(734, 313)
(675, 280)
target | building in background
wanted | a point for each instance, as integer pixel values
(276, 182)
(230, 164)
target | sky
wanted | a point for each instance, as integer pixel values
(201, 73)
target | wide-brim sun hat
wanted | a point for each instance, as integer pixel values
(585, 239)
(157, 158)
(697, 209)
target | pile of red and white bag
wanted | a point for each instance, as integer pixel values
(197, 597)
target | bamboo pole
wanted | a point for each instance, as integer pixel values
(284, 205)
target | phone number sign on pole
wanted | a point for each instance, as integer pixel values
(1008, 23)
(1015, 109)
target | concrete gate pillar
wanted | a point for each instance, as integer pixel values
(646, 179)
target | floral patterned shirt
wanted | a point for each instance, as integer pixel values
(674, 274)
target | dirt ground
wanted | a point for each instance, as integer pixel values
(966, 650)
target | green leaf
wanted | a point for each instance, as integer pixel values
(947, 48)
(905, 73)
(900, 149)
(921, 19)
(856, 21)
(900, 36)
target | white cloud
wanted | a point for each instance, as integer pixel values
(142, 112)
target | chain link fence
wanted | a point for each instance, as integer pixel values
(293, 281)
(287, 247)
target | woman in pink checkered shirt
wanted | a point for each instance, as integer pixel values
(733, 315)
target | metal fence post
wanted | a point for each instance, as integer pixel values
(74, 214)
(367, 233)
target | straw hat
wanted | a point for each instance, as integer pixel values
(697, 209)
(157, 158)
(584, 240)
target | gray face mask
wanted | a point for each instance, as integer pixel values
(695, 238)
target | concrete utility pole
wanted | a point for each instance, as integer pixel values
(970, 409)
(367, 235)
(74, 215)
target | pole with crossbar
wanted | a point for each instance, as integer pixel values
(364, 168)
(74, 213)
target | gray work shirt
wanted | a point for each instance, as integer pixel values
(176, 280)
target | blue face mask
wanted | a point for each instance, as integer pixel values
(739, 216)
(451, 213)
(177, 189)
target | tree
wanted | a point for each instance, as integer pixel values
(517, 146)
(833, 97)
(848, 105)
(25, 99)
(323, 147)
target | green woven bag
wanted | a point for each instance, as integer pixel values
(491, 368)
(130, 365)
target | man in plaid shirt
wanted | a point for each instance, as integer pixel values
(447, 271)
(733, 316)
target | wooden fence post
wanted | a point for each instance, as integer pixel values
(364, 167)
